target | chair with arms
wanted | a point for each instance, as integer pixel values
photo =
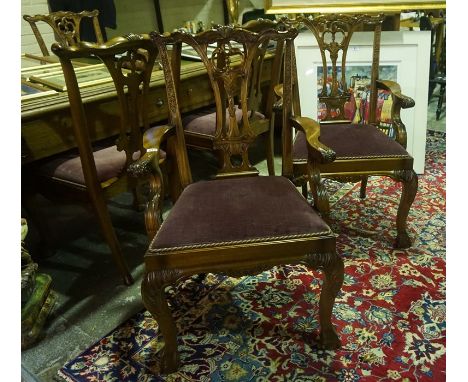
(347, 147)
(200, 126)
(100, 172)
(239, 223)
(66, 26)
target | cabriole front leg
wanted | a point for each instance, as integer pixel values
(138, 200)
(154, 298)
(333, 270)
(362, 190)
(318, 190)
(153, 210)
(148, 167)
(409, 180)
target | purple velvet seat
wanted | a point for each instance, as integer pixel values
(204, 121)
(109, 163)
(217, 211)
(352, 141)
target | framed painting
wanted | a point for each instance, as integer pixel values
(358, 83)
(350, 6)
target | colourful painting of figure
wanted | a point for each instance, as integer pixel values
(358, 78)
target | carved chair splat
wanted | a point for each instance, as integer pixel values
(200, 126)
(66, 26)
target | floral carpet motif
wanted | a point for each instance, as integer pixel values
(390, 314)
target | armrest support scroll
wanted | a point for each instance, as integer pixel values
(317, 150)
(149, 162)
(148, 166)
(400, 101)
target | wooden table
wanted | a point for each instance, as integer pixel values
(46, 124)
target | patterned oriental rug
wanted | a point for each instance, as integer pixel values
(390, 314)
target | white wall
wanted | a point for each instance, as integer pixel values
(136, 16)
(176, 12)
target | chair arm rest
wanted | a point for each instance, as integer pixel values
(394, 88)
(144, 165)
(159, 137)
(400, 101)
(149, 162)
(278, 105)
(317, 150)
(148, 166)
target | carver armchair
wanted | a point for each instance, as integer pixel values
(238, 223)
(99, 170)
(200, 126)
(66, 26)
(353, 139)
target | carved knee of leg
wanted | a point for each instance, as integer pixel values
(409, 181)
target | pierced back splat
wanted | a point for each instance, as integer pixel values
(234, 70)
(333, 34)
(66, 26)
(129, 60)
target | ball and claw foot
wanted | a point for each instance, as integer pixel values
(402, 241)
(329, 340)
(170, 362)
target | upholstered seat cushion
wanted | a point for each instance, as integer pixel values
(351, 141)
(204, 121)
(237, 210)
(109, 163)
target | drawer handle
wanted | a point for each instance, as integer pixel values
(159, 102)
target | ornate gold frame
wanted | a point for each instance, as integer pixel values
(350, 6)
